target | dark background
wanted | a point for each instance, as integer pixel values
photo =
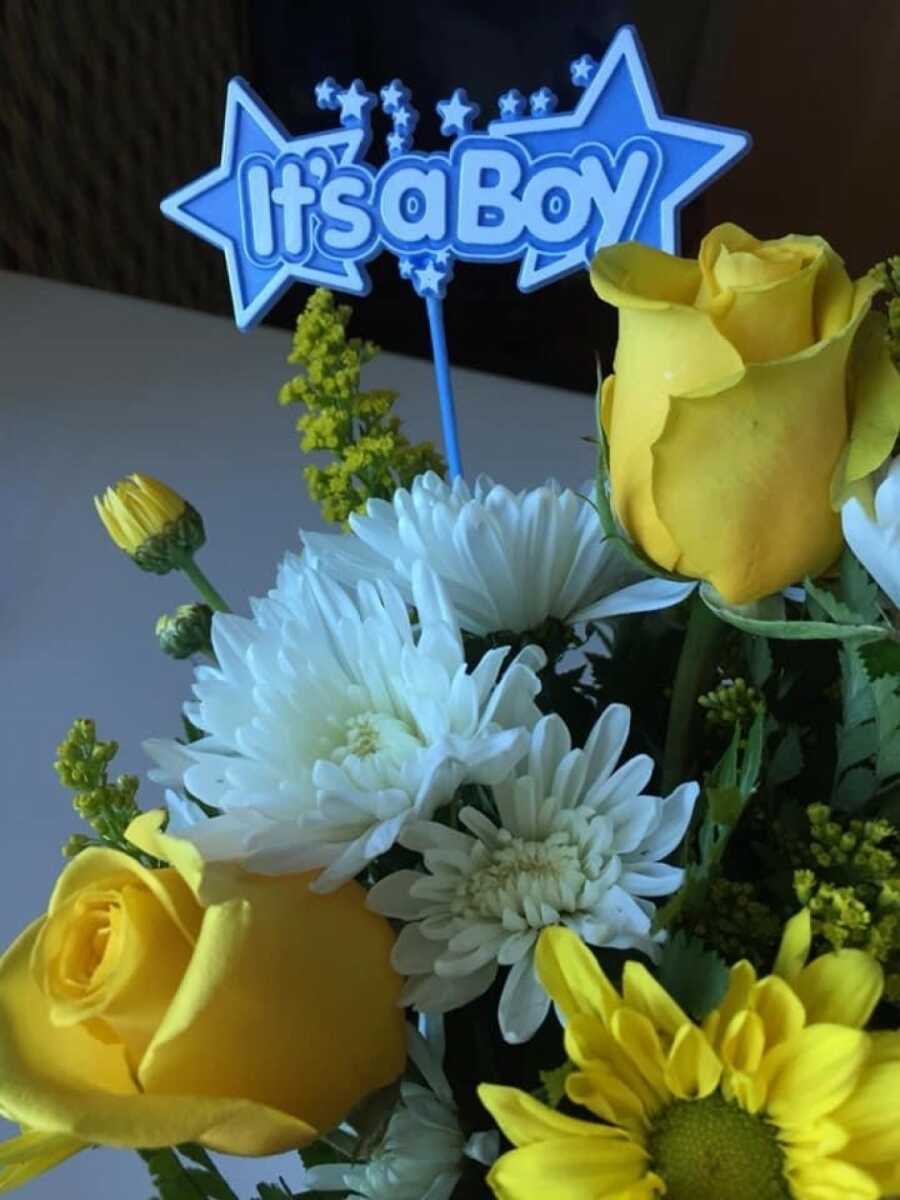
(108, 105)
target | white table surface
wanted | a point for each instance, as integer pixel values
(94, 386)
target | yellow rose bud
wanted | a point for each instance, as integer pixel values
(151, 523)
(153, 1007)
(751, 388)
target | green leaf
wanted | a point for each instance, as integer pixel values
(554, 1083)
(320, 1153)
(887, 722)
(855, 789)
(881, 658)
(752, 757)
(725, 804)
(759, 659)
(801, 631)
(830, 605)
(858, 590)
(696, 978)
(280, 1191)
(175, 1180)
(787, 761)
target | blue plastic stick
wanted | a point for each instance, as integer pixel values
(435, 308)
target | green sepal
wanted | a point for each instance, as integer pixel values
(166, 551)
(801, 631)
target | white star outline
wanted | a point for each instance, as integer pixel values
(347, 146)
(625, 45)
(429, 280)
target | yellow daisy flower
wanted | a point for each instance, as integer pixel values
(778, 1095)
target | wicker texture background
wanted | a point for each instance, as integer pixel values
(105, 106)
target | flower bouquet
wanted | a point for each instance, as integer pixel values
(537, 845)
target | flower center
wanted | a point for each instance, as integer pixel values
(368, 734)
(706, 1149)
(522, 876)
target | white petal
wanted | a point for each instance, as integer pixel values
(645, 596)
(523, 1003)
(391, 896)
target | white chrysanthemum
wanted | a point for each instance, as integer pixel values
(421, 1155)
(330, 721)
(577, 842)
(508, 560)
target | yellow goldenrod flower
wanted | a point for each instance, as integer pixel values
(32, 1153)
(151, 523)
(778, 1095)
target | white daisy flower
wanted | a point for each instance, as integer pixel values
(330, 721)
(421, 1155)
(508, 560)
(576, 842)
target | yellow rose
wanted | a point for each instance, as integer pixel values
(747, 385)
(153, 1007)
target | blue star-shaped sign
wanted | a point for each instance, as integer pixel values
(216, 206)
(457, 113)
(619, 111)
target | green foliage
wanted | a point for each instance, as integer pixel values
(553, 1084)
(109, 807)
(888, 274)
(777, 627)
(186, 1173)
(372, 458)
(693, 976)
(868, 736)
(279, 1191)
(880, 658)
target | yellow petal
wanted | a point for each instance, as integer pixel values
(59, 1079)
(523, 1120)
(602, 1089)
(831, 1179)
(209, 881)
(693, 1069)
(665, 345)
(871, 1116)
(572, 977)
(761, 295)
(636, 1034)
(762, 517)
(632, 275)
(834, 297)
(31, 1154)
(781, 1013)
(841, 988)
(741, 979)
(874, 394)
(252, 963)
(794, 948)
(811, 1076)
(568, 1169)
(641, 991)
(743, 1043)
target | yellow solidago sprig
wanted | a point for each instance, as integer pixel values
(372, 458)
(733, 702)
(778, 1094)
(109, 807)
(157, 529)
(852, 887)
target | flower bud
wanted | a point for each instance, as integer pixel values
(186, 631)
(153, 525)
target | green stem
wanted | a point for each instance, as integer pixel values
(202, 584)
(695, 664)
